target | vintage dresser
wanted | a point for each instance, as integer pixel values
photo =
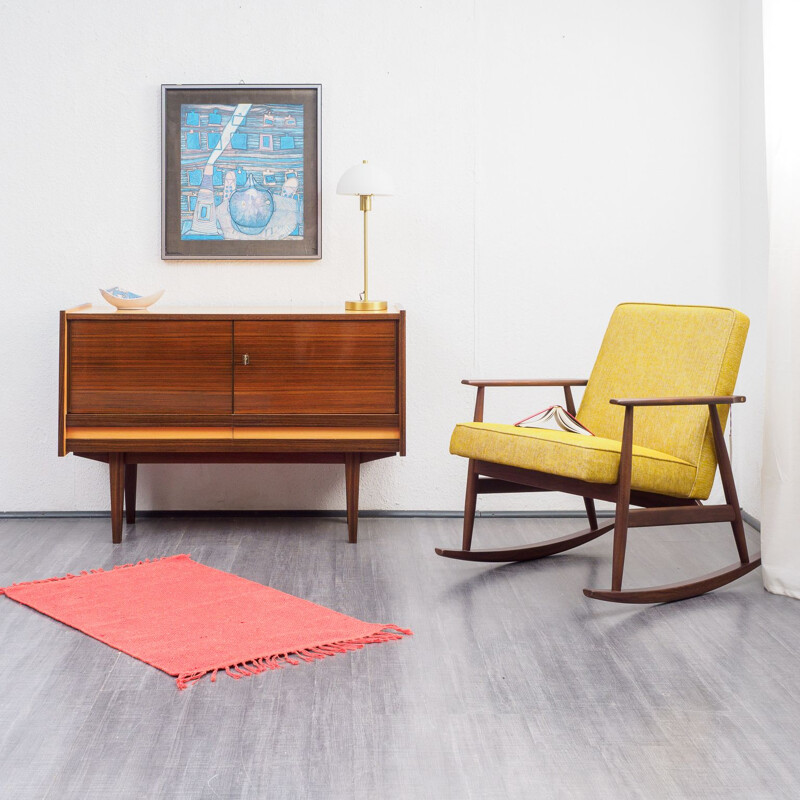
(224, 385)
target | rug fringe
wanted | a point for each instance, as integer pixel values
(70, 576)
(256, 666)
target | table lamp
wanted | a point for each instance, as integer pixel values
(365, 181)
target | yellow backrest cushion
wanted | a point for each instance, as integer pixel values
(652, 350)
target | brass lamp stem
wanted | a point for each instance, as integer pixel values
(365, 304)
(366, 205)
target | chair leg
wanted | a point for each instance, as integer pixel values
(620, 544)
(587, 501)
(470, 501)
(623, 502)
(739, 537)
(590, 512)
(728, 485)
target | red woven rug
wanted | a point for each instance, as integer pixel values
(190, 620)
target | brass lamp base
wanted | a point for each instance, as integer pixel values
(365, 305)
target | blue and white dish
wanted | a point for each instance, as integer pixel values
(126, 300)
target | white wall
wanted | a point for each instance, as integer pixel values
(748, 423)
(535, 145)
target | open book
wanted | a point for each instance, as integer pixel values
(554, 418)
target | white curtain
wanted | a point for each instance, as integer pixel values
(780, 509)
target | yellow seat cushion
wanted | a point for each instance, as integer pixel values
(571, 455)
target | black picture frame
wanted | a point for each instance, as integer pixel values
(255, 157)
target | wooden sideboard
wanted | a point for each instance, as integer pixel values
(225, 385)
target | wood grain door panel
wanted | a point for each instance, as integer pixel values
(149, 366)
(316, 367)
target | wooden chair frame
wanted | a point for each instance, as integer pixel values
(484, 477)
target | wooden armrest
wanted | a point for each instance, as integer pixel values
(481, 385)
(523, 382)
(679, 401)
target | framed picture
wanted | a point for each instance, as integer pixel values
(240, 176)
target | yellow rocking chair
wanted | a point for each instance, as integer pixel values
(677, 365)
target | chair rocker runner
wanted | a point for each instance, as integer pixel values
(674, 368)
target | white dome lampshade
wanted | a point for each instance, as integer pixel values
(364, 179)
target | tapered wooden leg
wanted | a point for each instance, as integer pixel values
(620, 543)
(587, 501)
(470, 502)
(738, 534)
(623, 502)
(116, 470)
(352, 469)
(590, 512)
(728, 485)
(130, 493)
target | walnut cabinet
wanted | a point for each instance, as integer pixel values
(232, 386)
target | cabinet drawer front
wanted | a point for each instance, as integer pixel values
(149, 366)
(316, 367)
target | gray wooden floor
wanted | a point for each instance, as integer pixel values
(514, 685)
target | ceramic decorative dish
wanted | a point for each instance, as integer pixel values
(125, 300)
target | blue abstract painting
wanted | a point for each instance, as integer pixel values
(241, 172)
